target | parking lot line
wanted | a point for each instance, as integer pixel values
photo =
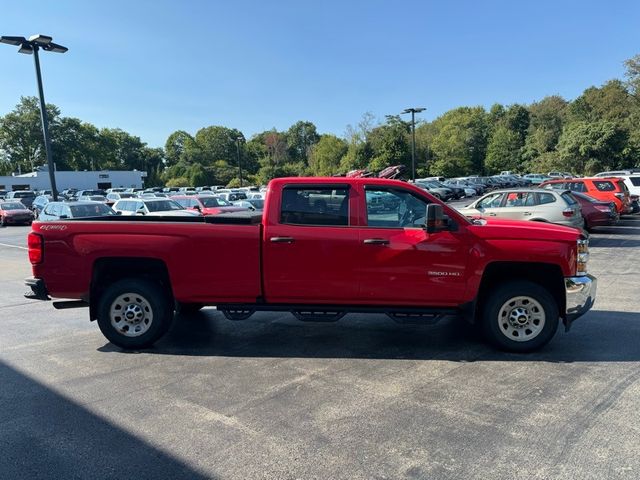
(13, 246)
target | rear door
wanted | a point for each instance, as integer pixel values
(310, 245)
(518, 205)
(400, 263)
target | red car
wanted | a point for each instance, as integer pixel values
(15, 213)
(207, 204)
(595, 212)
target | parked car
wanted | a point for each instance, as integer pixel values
(231, 196)
(3, 194)
(152, 206)
(14, 213)
(80, 209)
(516, 281)
(116, 190)
(26, 197)
(90, 192)
(441, 193)
(560, 175)
(113, 197)
(207, 204)
(536, 178)
(92, 198)
(611, 189)
(595, 212)
(69, 193)
(39, 203)
(254, 204)
(528, 204)
(631, 180)
(468, 190)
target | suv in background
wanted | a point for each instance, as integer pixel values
(607, 189)
(26, 197)
(631, 179)
(529, 204)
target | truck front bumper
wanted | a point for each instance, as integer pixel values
(580, 296)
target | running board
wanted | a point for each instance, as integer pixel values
(66, 304)
(333, 313)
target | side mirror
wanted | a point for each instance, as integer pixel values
(62, 217)
(118, 212)
(435, 221)
(140, 211)
(198, 208)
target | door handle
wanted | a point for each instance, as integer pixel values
(376, 241)
(526, 213)
(492, 214)
(282, 239)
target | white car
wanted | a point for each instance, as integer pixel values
(528, 204)
(153, 206)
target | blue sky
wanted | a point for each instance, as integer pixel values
(152, 67)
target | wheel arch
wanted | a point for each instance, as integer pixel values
(107, 270)
(548, 275)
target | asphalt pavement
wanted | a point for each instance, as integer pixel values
(362, 398)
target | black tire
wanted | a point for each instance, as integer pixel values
(189, 308)
(502, 304)
(145, 296)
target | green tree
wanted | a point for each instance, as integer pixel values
(301, 137)
(460, 144)
(326, 155)
(504, 151)
(599, 145)
(389, 144)
(175, 146)
(21, 133)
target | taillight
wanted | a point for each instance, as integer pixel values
(35, 243)
(568, 212)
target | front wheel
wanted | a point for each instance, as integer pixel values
(134, 313)
(520, 317)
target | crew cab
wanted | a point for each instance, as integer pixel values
(322, 248)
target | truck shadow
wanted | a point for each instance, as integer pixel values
(45, 435)
(600, 336)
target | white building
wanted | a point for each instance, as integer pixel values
(39, 180)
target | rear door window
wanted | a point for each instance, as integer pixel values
(322, 205)
(576, 186)
(569, 199)
(635, 181)
(545, 198)
(520, 199)
(604, 185)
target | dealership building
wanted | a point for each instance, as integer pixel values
(39, 180)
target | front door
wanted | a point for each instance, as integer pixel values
(310, 250)
(400, 263)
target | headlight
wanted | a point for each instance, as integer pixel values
(582, 257)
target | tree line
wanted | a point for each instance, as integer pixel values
(599, 130)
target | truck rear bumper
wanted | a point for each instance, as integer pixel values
(580, 295)
(38, 289)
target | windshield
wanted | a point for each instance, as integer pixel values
(211, 202)
(94, 210)
(163, 206)
(12, 206)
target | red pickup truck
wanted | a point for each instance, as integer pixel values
(323, 247)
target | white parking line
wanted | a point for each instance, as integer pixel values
(13, 246)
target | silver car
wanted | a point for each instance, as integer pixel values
(528, 204)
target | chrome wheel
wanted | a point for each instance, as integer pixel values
(131, 314)
(521, 318)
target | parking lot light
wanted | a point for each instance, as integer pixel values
(413, 112)
(31, 47)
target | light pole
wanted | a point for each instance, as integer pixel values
(413, 112)
(32, 46)
(239, 162)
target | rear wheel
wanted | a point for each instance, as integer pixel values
(134, 313)
(520, 317)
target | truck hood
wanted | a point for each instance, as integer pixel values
(494, 228)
